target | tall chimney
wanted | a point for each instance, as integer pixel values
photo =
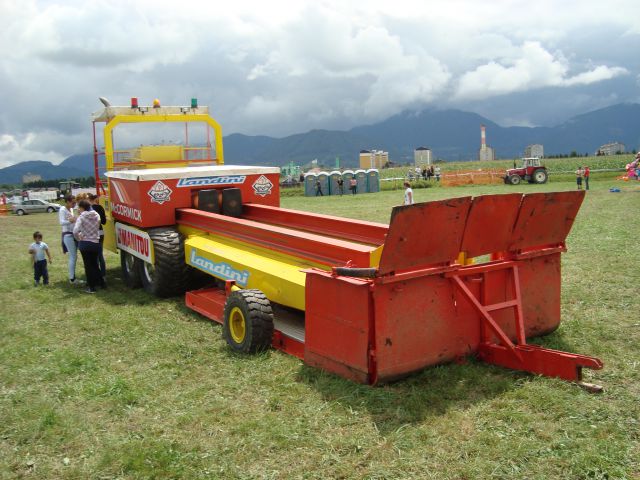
(483, 137)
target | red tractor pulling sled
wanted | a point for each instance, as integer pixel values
(368, 301)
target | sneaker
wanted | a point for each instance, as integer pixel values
(35, 284)
(88, 290)
(76, 281)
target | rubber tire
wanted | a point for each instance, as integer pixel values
(19, 212)
(258, 315)
(515, 179)
(51, 210)
(131, 277)
(544, 176)
(171, 272)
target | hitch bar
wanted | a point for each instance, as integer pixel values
(519, 356)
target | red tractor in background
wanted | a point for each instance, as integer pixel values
(531, 171)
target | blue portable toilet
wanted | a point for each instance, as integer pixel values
(373, 180)
(347, 175)
(323, 178)
(334, 189)
(310, 184)
(361, 177)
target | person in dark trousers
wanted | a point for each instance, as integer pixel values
(340, 183)
(587, 172)
(579, 174)
(353, 185)
(87, 231)
(96, 207)
(38, 249)
(319, 189)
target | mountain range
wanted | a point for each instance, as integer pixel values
(451, 135)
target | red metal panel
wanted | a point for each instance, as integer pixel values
(337, 322)
(326, 250)
(419, 323)
(345, 228)
(490, 224)
(545, 219)
(152, 203)
(208, 302)
(424, 234)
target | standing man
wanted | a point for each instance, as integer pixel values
(340, 183)
(319, 189)
(69, 246)
(587, 172)
(579, 174)
(353, 185)
(437, 173)
(408, 194)
(95, 206)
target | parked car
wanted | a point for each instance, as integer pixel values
(33, 206)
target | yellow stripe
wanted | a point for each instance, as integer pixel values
(277, 275)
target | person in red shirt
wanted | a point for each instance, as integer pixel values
(586, 177)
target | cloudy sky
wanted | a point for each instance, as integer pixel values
(278, 68)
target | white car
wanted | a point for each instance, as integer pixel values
(33, 206)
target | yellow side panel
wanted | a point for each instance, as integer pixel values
(278, 276)
(110, 235)
(157, 153)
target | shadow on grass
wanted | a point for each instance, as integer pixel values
(429, 393)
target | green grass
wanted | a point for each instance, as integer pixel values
(123, 385)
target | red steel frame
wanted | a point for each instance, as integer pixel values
(420, 307)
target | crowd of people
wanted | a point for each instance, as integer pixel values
(81, 219)
(427, 173)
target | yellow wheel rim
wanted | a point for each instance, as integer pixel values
(237, 325)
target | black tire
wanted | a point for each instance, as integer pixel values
(20, 212)
(253, 310)
(130, 269)
(540, 176)
(169, 275)
(514, 179)
(51, 210)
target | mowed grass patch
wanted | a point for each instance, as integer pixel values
(124, 385)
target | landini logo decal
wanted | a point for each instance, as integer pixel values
(221, 270)
(204, 181)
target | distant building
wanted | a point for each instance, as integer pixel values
(373, 158)
(610, 148)
(535, 150)
(31, 177)
(422, 156)
(485, 153)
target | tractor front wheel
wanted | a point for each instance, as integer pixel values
(248, 321)
(540, 176)
(169, 274)
(515, 179)
(130, 268)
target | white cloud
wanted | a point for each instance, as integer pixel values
(535, 67)
(283, 67)
(16, 149)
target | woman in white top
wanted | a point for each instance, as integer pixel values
(408, 194)
(69, 245)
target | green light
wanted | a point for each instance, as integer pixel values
(194, 103)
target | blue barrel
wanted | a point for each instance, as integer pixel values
(361, 176)
(373, 180)
(310, 184)
(334, 188)
(323, 178)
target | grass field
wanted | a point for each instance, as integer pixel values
(123, 385)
